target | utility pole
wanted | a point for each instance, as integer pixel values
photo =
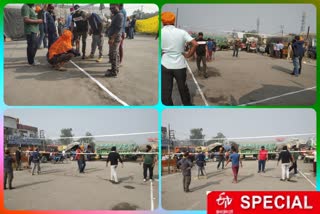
(177, 14)
(258, 25)
(282, 27)
(141, 11)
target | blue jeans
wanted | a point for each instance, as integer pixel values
(131, 32)
(296, 66)
(42, 37)
(32, 46)
(262, 165)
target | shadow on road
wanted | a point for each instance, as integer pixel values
(245, 177)
(282, 69)
(32, 184)
(205, 185)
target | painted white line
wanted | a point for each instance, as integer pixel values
(198, 87)
(307, 179)
(276, 97)
(151, 196)
(100, 85)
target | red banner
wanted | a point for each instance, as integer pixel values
(232, 202)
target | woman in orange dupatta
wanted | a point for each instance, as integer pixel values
(61, 51)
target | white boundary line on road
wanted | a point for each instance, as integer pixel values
(100, 85)
(198, 87)
(151, 196)
(307, 179)
(276, 97)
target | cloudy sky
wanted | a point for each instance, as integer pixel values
(96, 121)
(240, 122)
(217, 18)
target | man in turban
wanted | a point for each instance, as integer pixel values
(173, 63)
(61, 51)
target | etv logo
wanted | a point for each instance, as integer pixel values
(226, 201)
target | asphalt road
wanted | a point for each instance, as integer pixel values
(249, 78)
(61, 187)
(136, 84)
(173, 197)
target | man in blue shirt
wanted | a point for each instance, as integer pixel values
(123, 31)
(298, 53)
(235, 160)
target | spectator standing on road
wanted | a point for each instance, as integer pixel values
(298, 54)
(96, 27)
(295, 157)
(61, 51)
(315, 162)
(31, 30)
(127, 27)
(114, 34)
(8, 170)
(36, 161)
(201, 161)
(221, 157)
(132, 27)
(262, 158)
(42, 27)
(51, 29)
(236, 46)
(114, 159)
(289, 56)
(185, 165)
(123, 31)
(18, 158)
(81, 30)
(285, 158)
(80, 159)
(174, 64)
(149, 161)
(236, 161)
(201, 51)
(210, 49)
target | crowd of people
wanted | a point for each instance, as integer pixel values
(62, 36)
(34, 158)
(288, 161)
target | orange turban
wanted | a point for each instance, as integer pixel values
(38, 8)
(168, 18)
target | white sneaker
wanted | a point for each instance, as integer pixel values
(144, 180)
(35, 63)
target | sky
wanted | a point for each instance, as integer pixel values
(96, 121)
(147, 8)
(240, 122)
(216, 18)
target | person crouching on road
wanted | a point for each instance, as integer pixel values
(61, 51)
(114, 157)
(185, 165)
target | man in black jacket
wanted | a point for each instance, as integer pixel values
(114, 157)
(285, 158)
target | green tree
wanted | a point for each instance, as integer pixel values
(219, 138)
(88, 140)
(66, 136)
(197, 137)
